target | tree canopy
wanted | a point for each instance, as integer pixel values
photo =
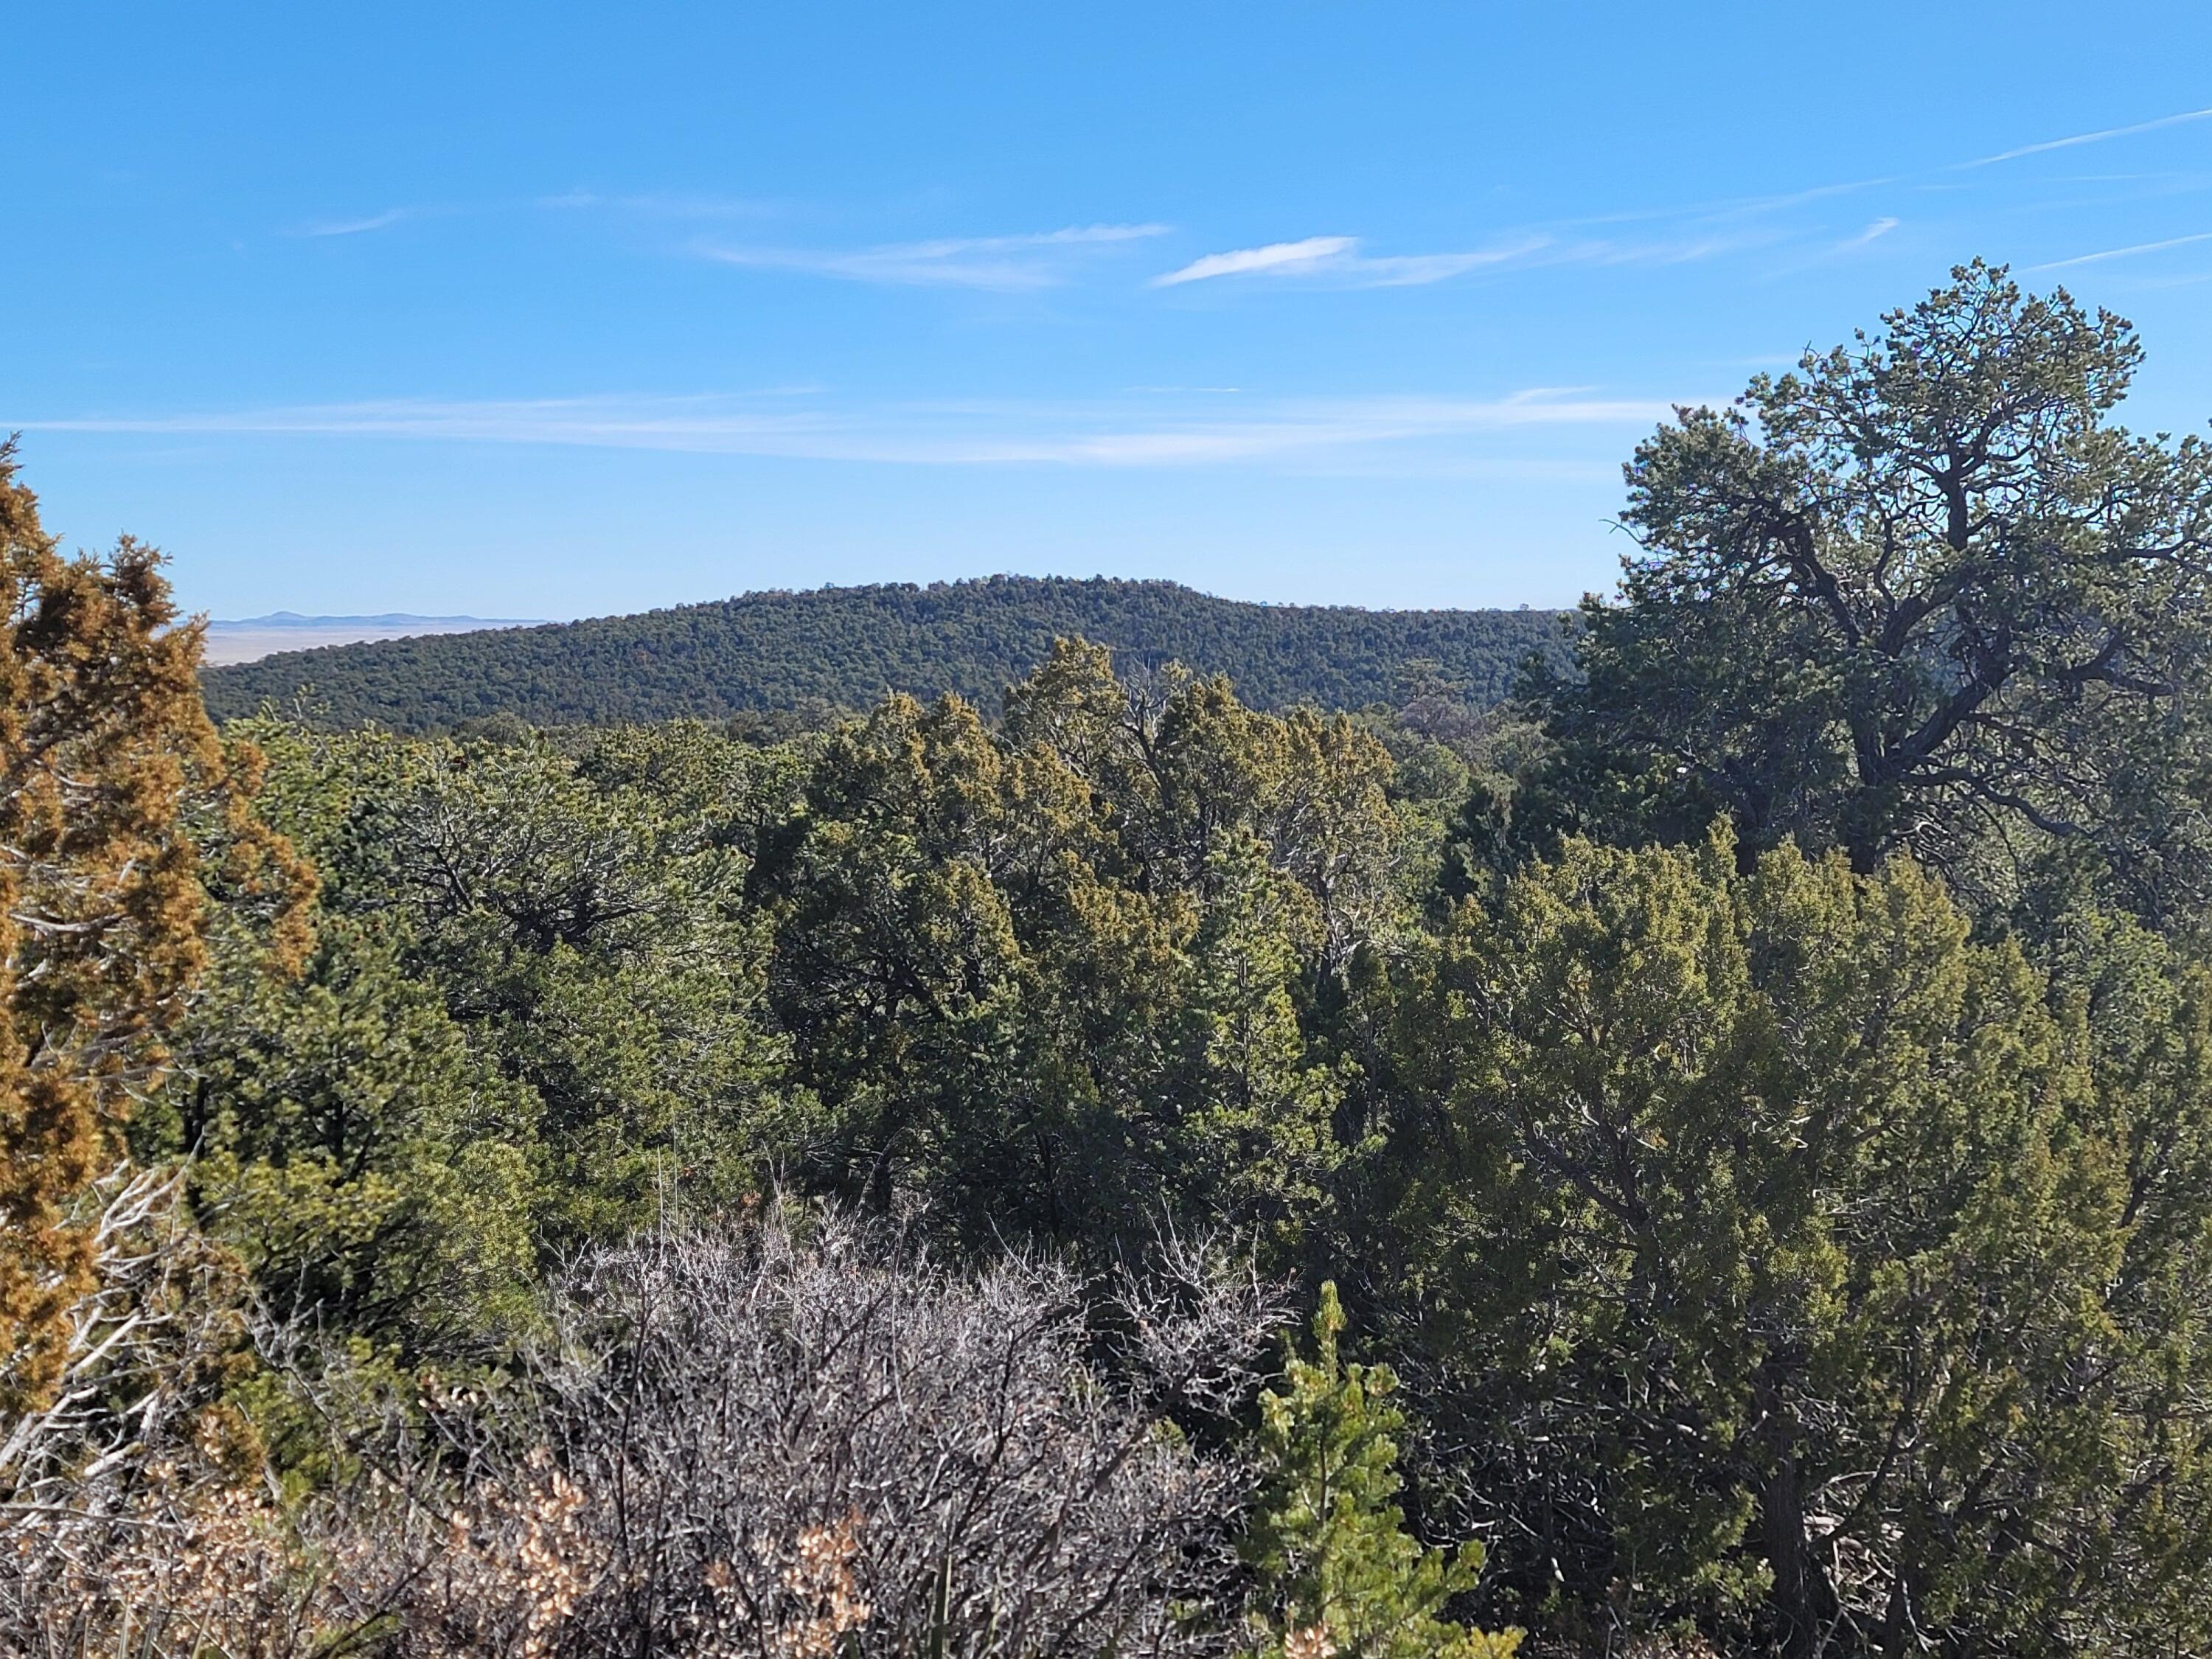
(1797, 1254)
(1746, 1101)
(1921, 594)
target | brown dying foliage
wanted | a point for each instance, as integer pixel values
(120, 811)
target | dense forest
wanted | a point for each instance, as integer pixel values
(1710, 1156)
(835, 649)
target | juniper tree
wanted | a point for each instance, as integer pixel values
(1804, 1268)
(120, 810)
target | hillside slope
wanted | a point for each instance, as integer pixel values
(848, 645)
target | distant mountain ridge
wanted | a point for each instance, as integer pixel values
(249, 639)
(846, 646)
(384, 619)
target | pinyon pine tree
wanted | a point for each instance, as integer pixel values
(1339, 1574)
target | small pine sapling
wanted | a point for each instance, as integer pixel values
(1339, 1576)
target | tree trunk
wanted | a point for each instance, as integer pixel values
(1897, 1623)
(1801, 1599)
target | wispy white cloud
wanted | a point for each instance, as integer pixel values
(1769, 223)
(1725, 209)
(2104, 254)
(1276, 257)
(1311, 427)
(1116, 434)
(1789, 261)
(1701, 230)
(1338, 259)
(1420, 270)
(383, 221)
(1008, 263)
(2097, 137)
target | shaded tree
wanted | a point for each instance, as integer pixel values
(1063, 977)
(373, 1171)
(586, 929)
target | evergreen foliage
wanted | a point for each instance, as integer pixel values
(1758, 1094)
(1338, 1572)
(120, 812)
(835, 648)
(1062, 977)
(1812, 1268)
(1923, 594)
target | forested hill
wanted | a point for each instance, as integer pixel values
(848, 645)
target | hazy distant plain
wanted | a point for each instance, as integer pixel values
(252, 638)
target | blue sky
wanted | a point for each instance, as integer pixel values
(552, 311)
